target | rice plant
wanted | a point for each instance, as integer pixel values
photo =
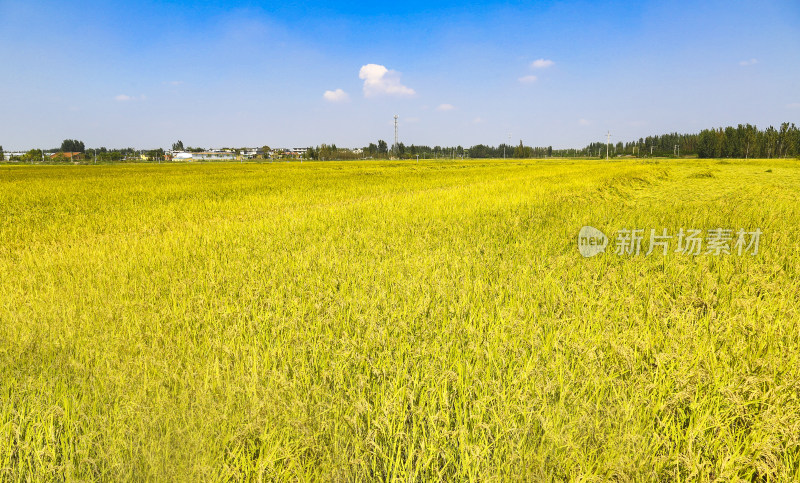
(428, 321)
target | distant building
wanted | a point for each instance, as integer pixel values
(7, 155)
(296, 152)
(181, 156)
(213, 155)
(72, 156)
(203, 156)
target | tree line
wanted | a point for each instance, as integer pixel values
(381, 150)
(742, 141)
(100, 155)
(749, 142)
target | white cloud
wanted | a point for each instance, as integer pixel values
(175, 83)
(378, 80)
(745, 63)
(541, 64)
(477, 120)
(584, 122)
(793, 105)
(445, 107)
(336, 96)
(528, 79)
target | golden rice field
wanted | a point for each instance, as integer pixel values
(405, 321)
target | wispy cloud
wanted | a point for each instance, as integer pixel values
(477, 120)
(445, 107)
(793, 105)
(528, 79)
(584, 122)
(175, 83)
(336, 96)
(542, 64)
(378, 80)
(745, 63)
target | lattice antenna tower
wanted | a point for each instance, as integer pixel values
(395, 135)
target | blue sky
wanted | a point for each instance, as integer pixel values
(249, 73)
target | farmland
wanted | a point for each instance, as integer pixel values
(412, 321)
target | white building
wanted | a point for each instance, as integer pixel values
(8, 154)
(203, 156)
(213, 155)
(181, 156)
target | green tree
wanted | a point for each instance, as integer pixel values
(33, 155)
(383, 148)
(2, 155)
(750, 136)
(784, 139)
(705, 144)
(519, 151)
(155, 154)
(480, 151)
(793, 144)
(312, 154)
(771, 137)
(72, 146)
(177, 146)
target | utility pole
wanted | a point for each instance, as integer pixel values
(608, 140)
(395, 135)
